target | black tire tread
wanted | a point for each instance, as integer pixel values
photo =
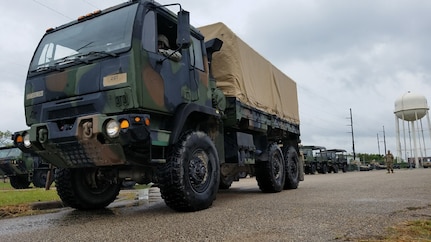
(264, 172)
(72, 196)
(292, 168)
(173, 188)
(19, 182)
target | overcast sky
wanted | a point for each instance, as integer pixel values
(342, 54)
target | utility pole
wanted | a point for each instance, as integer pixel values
(353, 136)
(378, 142)
(384, 139)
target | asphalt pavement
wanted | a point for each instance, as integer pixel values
(349, 206)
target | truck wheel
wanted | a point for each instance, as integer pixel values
(19, 181)
(291, 168)
(324, 169)
(313, 169)
(39, 178)
(344, 168)
(87, 188)
(190, 178)
(335, 168)
(271, 175)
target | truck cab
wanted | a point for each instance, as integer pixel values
(338, 158)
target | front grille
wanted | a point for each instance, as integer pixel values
(71, 112)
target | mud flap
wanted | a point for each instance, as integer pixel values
(301, 167)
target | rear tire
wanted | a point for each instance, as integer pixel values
(19, 181)
(324, 169)
(313, 169)
(87, 188)
(189, 181)
(335, 168)
(291, 160)
(39, 178)
(271, 175)
(344, 168)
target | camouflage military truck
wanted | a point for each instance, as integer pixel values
(105, 104)
(338, 160)
(23, 168)
(315, 159)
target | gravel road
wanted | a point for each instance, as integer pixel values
(332, 207)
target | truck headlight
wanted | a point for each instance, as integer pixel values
(112, 128)
(27, 142)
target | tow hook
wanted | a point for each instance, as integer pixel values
(88, 129)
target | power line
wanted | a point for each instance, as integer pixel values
(48, 7)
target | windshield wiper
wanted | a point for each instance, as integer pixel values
(100, 53)
(73, 59)
(60, 64)
(46, 68)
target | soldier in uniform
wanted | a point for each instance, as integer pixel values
(389, 162)
(163, 45)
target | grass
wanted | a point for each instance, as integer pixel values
(14, 202)
(10, 196)
(16, 197)
(418, 230)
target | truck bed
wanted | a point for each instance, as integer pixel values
(244, 74)
(245, 117)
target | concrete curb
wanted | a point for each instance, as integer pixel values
(47, 205)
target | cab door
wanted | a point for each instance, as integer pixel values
(198, 77)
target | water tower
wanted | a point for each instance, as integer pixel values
(411, 108)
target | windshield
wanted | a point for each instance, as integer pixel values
(8, 153)
(108, 33)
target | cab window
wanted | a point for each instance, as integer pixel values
(196, 58)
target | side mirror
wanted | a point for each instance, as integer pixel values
(183, 30)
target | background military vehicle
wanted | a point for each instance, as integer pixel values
(337, 158)
(321, 160)
(23, 168)
(104, 104)
(315, 159)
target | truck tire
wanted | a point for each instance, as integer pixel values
(39, 178)
(291, 160)
(306, 170)
(19, 181)
(86, 188)
(313, 169)
(271, 175)
(335, 168)
(189, 180)
(324, 169)
(344, 168)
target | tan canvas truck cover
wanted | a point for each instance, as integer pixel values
(243, 73)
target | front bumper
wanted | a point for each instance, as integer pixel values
(13, 167)
(84, 142)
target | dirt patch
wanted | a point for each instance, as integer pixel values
(15, 210)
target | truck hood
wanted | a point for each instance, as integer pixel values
(71, 82)
(56, 85)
